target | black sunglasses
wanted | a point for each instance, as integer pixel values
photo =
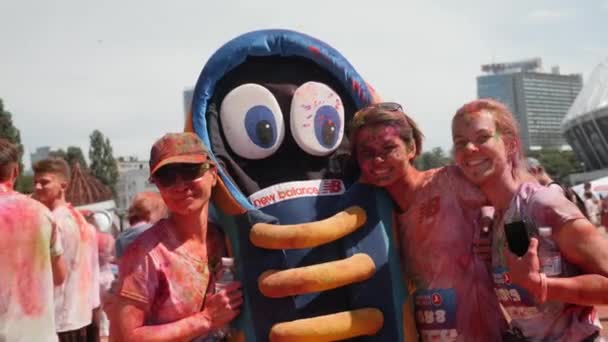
(388, 106)
(167, 175)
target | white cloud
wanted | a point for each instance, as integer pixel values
(68, 70)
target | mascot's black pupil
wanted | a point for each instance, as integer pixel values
(328, 133)
(263, 129)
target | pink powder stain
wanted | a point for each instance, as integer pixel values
(337, 104)
(30, 290)
(314, 50)
(29, 260)
(5, 295)
(88, 241)
(357, 88)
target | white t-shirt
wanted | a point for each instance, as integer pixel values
(28, 240)
(79, 294)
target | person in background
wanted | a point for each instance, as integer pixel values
(78, 296)
(164, 275)
(550, 290)
(536, 169)
(592, 208)
(439, 214)
(604, 210)
(102, 221)
(146, 209)
(31, 259)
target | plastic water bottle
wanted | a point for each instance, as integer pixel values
(548, 253)
(225, 276)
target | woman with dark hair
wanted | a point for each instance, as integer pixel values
(439, 223)
(549, 289)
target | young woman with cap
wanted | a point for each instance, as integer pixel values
(164, 274)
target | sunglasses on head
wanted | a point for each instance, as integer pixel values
(388, 106)
(167, 175)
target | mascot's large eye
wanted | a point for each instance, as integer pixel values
(252, 121)
(317, 118)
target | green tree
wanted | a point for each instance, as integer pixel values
(74, 155)
(60, 153)
(25, 183)
(103, 165)
(432, 159)
(558, 164)
(11, 133)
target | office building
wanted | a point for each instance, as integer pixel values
(539, 100)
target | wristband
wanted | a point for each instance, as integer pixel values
(543, 288)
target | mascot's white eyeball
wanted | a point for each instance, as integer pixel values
(317, 118)
(252, 121)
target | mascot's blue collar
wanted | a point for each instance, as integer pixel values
(268, 43)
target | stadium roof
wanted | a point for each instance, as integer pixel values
(594, 94)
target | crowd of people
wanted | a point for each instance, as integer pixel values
(518, 256)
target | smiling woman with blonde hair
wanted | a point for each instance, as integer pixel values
(561, 266)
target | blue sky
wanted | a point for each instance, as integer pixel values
(69, 67)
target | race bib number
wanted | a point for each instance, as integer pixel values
(436, 314)
(516, 301)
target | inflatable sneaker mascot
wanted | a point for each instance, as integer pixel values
(315, 250)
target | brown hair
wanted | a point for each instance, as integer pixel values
(9, 155)
(506, 125)
(147, 206)
(375, 115)
(56, 166)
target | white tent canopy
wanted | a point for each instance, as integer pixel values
(598, 186)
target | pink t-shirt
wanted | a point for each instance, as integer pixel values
(79, 294)
(167, 277)
(28, 240)
(540, 206)
(454, 298)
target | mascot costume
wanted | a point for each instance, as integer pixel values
(315, 251)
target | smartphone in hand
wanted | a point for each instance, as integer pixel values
(518, 237)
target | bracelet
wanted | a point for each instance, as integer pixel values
(543, 288)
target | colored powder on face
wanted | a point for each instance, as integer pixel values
(497, 136)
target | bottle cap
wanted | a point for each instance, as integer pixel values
(545, 231)
(227, 262)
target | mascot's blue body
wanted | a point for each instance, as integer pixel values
(314, 249)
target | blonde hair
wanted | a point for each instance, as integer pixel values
(508, 128)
